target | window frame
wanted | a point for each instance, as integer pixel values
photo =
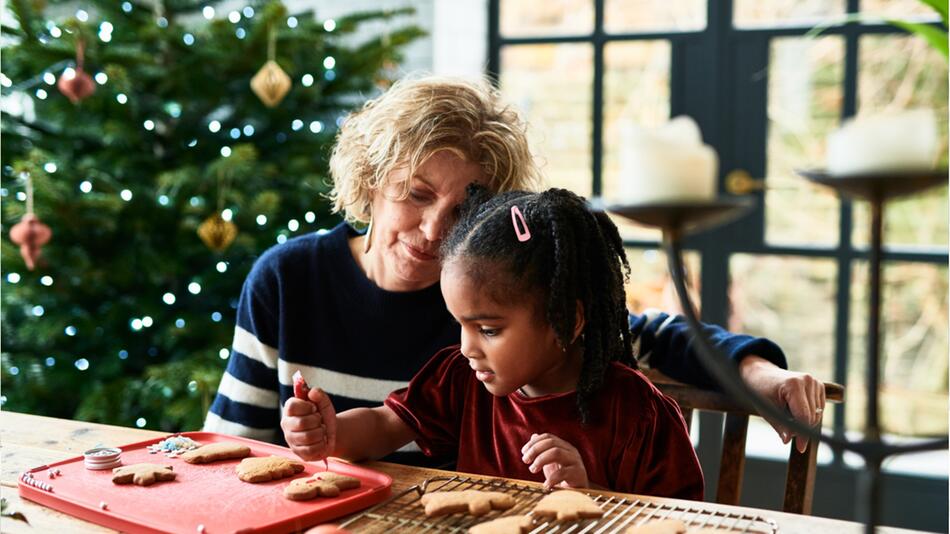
(711, 62)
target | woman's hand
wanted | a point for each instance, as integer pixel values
(559, 460)
(801, 393)
(310, 425)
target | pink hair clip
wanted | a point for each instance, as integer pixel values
(525, 234)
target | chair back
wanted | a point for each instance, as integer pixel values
(800, 476)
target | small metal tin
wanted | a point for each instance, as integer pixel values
(99, 458)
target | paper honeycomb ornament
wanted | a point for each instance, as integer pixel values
(75, 83)
(217, 233)
(77, 86)
(31, 234)
(271, 84)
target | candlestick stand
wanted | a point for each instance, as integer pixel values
(677, 219)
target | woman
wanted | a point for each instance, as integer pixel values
(359, 314)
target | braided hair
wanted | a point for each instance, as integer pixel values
(573, 255)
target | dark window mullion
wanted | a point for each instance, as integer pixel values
(597, 120)
(846, 251)
(746, 123)
(587, 38)
(494, 41)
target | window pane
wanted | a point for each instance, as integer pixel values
(520, 18)
(636, 92)
(895, 73)
(629, 16)
(929, 464)
(804, 106)
(551, 85)
(650, 284)
(762, 441)
(916, 220)
(786, 12)
(798, 314)
(914, 356)
(900, 9)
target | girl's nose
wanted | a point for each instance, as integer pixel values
(468, 348)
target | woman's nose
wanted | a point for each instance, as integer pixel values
(432, 229)
(436, 223)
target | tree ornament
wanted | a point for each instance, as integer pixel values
(217, 233)
(271, 83)
(78, 85)
(30, 233)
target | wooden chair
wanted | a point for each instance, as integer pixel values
(800, 477)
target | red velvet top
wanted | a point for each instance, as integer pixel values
(635, 442)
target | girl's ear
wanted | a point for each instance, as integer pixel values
(578, 321)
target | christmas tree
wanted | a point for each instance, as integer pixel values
(130, 128)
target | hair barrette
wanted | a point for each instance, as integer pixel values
(523, 233)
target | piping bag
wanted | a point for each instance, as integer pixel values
(301, 389)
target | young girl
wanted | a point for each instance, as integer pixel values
(543, 386)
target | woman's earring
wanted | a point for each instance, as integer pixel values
(368, 237)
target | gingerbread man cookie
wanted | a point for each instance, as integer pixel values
(474, 502)
(142, 474)
(213, 452)
(268, 468)
(567, 505)
(342, 482)
(323, 484)
(304, 489)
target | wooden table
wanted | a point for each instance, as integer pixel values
(28, 441)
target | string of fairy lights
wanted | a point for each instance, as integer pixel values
(48, 78)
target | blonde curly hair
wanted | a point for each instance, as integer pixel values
(413, 120)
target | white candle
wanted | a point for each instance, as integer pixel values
(900, 142)
(667, 164)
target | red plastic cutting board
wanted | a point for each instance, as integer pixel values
(211, 494)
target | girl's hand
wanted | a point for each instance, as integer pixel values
(310, 425)
(559, 460)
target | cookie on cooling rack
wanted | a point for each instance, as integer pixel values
(567, 505)
(513, 524)
(659, 526)
(474, 502)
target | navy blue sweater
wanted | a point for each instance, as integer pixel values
(307, 305)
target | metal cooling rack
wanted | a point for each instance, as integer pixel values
(403, 513)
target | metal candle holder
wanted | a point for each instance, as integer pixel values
(676, 219)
